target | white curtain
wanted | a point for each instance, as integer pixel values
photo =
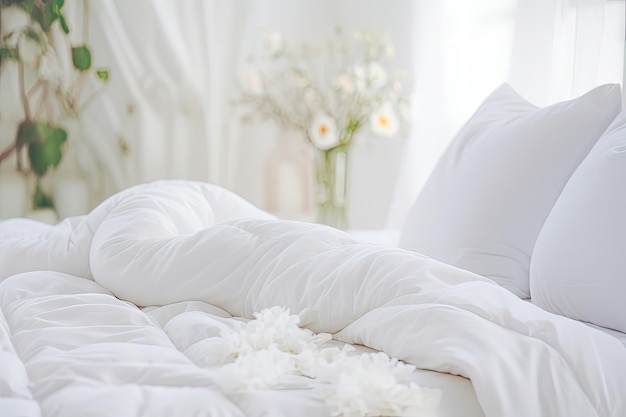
(575, 46)
(174, 65)
(461, 54)
(548, 50)
(170, 64)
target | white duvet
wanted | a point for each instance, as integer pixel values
(109, 314)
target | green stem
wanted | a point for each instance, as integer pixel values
(331, 182)
(86, 21)
(22, 84)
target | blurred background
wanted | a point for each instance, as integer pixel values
(151, 89)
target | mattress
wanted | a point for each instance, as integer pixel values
(180, 298)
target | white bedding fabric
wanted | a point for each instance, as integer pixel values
(72, 346)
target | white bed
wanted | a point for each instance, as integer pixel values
(181, 298)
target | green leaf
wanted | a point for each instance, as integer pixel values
(103, 74)
(37, 158)
(26, 5)
(44, 17)
(56, 6)
(81, 57)
(46, 150)
(41, 199)
(45, 13)
(64, 25)
(56, 138)
(27, 133)
(8, 53)
(34, 36)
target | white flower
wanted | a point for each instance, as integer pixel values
(376, 74)
(253, 82)
(323, 132)
(345, 78)
(275, 42)
(312, 97)
(384, 121)
(371, 76)
(360, 78)
(345, 84)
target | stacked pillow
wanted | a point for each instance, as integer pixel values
(489, 195)
(578, 266)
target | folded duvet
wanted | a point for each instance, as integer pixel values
(172, 242)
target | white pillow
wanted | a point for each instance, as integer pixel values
(578, 266)
(488, 196)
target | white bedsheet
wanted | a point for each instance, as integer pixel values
(174, 244)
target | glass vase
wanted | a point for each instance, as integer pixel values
(332, 186)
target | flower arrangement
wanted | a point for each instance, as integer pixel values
(51, 77)
(328, 93)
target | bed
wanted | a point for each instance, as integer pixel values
(181, 298)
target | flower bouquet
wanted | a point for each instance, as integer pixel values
(328, 93)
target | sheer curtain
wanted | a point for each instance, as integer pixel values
(174, 65)
(461, 54)
(170, 65)
(548, 50)
(577, 45)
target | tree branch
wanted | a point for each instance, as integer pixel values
(8, 151)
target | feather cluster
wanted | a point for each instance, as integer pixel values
(266, 352)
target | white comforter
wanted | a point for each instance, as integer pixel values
(74, 341)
